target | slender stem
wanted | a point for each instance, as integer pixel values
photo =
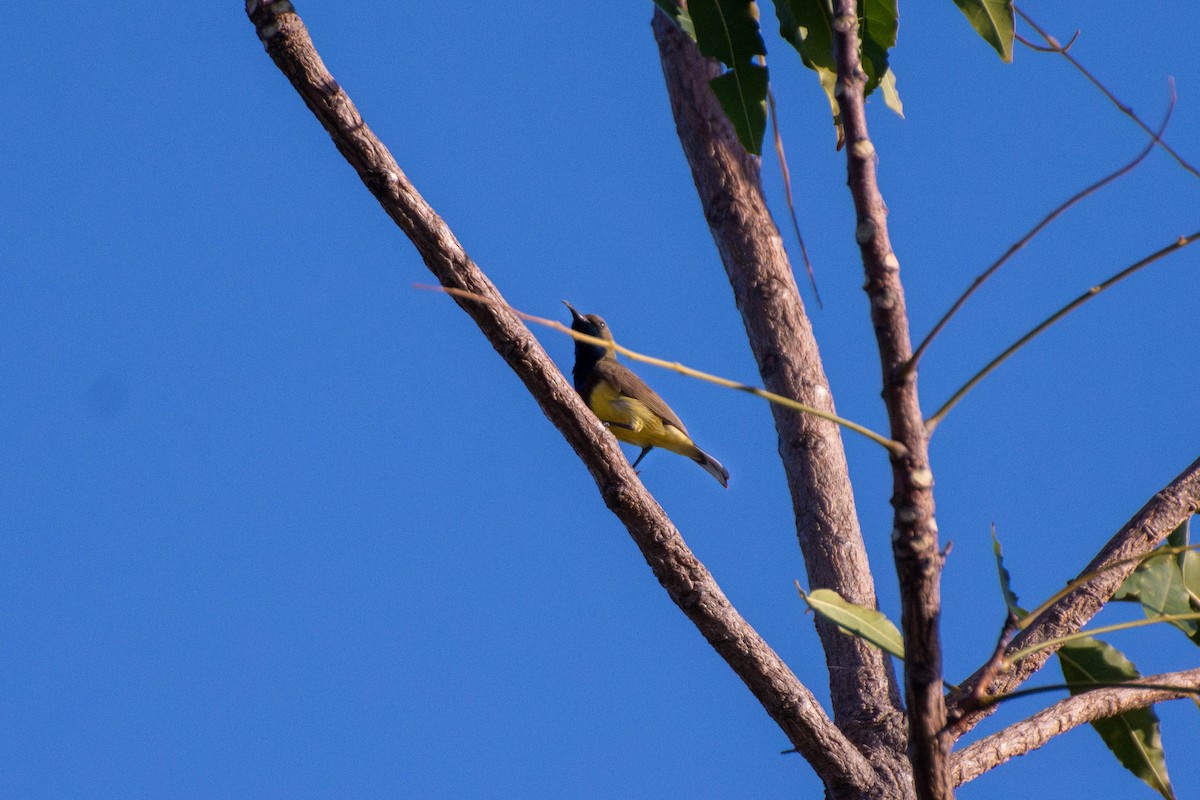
(786, 174)
(1052, 644)
(1126, 110)
(1034, 231)
(675, 366)
(1092, 686)
(976, 699)
(940, 414)
(1055, 49)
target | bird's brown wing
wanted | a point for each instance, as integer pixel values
(627, 383)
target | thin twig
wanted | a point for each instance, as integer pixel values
(675, 366)
(1053, 644)
(1039, 48)
(787, 189)
(1126, 110)
(1034, 231)
(1089, 686)
(1178, 244)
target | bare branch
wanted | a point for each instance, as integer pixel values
(1162, 514)
(1030, 734)
(1034, 231)
(940, 414)
(686, 580)
(863, 692)
(915, 533)
(1055, 47)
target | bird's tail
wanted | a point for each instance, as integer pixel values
(712, 467)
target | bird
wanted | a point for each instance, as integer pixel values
(631, 410)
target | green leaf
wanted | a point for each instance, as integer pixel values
(1191, 577)
(736, 92)
(1159, 585)
(891, 97)
(878, 22)
(1010, 598)
(808, 26)
(1179, 536)
(678, 15)
(856, 620)
(728, 31)
(1189, 569)
(1133, 737)
(993, 20)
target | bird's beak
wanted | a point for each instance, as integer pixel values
(575, 315)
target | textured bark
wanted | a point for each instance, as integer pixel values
(1163, 513)
(914, 534)
(1030, 734)
(863, 688)
(838, 763)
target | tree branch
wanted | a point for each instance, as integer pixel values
(915, 533)
(863, 688)
(1030, 734)
(686, 580)
(1162, 514)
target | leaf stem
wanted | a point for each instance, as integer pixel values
(1120, 626)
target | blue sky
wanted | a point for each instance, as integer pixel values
(278, 525)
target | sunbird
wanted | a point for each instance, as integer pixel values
(625, 404)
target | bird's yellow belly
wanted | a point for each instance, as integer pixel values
(631, 421)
